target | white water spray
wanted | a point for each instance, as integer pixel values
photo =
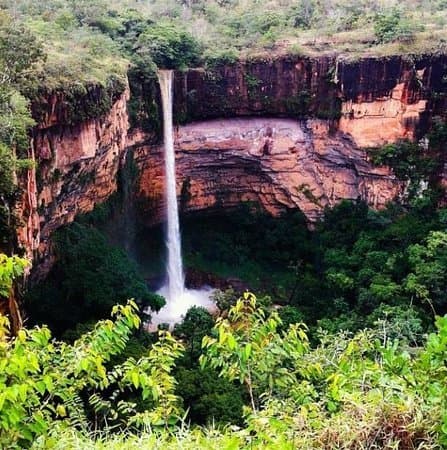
(176, 280)
(178, 299)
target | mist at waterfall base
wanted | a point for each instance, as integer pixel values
(178, 298)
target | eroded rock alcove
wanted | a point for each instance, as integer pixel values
(278, 163)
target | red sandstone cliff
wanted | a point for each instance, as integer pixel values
(309, 160)
(278, 163)
(77, 167)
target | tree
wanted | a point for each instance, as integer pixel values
(390, 26)
(303, 14)
(44, 382)
(208, 397)
(410, 162)
(19, 54)
(20, 51)
(11, 268)
(197, 323)
(427, 280)
(249, 349)
(168, 46)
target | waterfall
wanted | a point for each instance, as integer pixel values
(175, 277)
(178, 299)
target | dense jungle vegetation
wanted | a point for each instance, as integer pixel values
(345, 345)
(366, 371)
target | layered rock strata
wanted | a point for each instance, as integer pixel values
(307, 154)
(77, 167)
(376, 100)
(278, 163)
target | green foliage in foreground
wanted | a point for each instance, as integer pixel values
(10, 269)
(346, 392)
(43, 382)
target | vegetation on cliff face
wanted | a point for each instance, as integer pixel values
(417, 163)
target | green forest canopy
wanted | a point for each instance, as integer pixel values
(91, 40)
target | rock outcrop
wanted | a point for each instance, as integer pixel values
(383, 120)
(278, 163)
(77, 167)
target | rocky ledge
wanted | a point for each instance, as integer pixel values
(278, 163)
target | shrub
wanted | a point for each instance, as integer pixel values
(44, 382)
(302, 14)
(168, 46)
(390, 26)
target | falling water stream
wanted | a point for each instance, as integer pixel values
(178, 299)
(176, 282)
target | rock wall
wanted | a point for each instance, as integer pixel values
(375, 100)
(382, 120)
(287, 86)
(336, 108)
(76, 168)
(286, 132)
(278, 163)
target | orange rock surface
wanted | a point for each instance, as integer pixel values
(223, 163)
(78, 167)
(383, 120)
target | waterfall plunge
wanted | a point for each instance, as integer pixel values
(176, 282)
(178, 299)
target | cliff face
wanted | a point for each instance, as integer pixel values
(286, 133)
(289, 86)
(313, 162)
(374, 100)
(77, 167)
(278, 163)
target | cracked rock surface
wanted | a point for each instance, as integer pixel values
(280, 163)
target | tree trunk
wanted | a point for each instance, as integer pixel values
(15, 316)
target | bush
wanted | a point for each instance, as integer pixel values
(410, 162)
(168, 46)
(391, 26)
(44, 382)
(302, 15)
